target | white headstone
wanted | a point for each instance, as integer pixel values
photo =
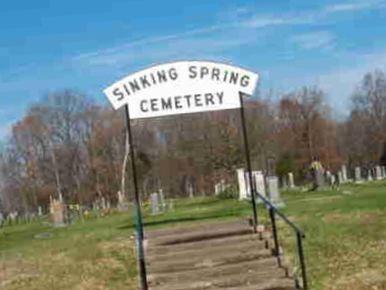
(273, 191)
(332, 179)
(190, 190)
(242, 183)
(344, 173)
(358, 175)
(378, 173)
(162, 199)
(40, 211)
(291, 180)
(248, 184)
(258, 179)
(103, 203)
(384, 171)
(217, 188)
(340, 177)
(154, 203)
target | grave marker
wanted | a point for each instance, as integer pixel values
(258, 179)
(344, 174)
(358, 175)
(291, 180)
(378, 173)
(154, 203)
(273, 191)
(242, 183)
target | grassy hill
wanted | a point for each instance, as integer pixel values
(345, 244)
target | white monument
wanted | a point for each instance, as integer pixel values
(273, 191)
(154, 203)
(291, 180)
(378, 173)
(344, 173)
(340, 177)
(258, 179)
(242, 183)
(358, 175)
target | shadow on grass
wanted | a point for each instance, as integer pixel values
(181, 220)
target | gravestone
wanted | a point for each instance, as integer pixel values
(358, 175)
(378, 173)
(344, 174)
(291, 180)
(161, 199)
(258, 179)
(103, 203)
(154, 203)
(217, 188)
(190, 190)
(384, 172)
(273, 191)
(332, 180)
(340, 177)
(58, 212)
(247, 184)
(40, 211)
(319, 179)
(242, 183)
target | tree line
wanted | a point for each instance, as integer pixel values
(67, 144)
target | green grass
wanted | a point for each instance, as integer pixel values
(345, 245)
(346, 235)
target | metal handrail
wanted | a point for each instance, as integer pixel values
(299, 236)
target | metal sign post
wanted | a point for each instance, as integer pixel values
(249, 167)
(137, 204)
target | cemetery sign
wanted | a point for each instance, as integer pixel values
(179, 88)
(182, 87)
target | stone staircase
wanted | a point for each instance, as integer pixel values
(221, 255)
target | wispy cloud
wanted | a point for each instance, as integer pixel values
(314, 40)
(242, 18)
(355, 6)
(193, 43)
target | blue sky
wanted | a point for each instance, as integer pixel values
(86, 45)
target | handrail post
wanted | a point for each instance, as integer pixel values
(275, 237)
(249, 167)
(301, 258)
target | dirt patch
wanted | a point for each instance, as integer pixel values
(16, 271)
(365, 280)
(363, 218)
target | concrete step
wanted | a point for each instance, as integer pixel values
(205, 244)
(197, 227)
(271, 284)
(238, 280)
(208, 251)
(263, 268)
(197, 262)
(193, 236)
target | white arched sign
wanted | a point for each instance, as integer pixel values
(182, 87)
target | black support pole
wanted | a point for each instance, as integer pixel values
(137, 203)
(249, 167)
